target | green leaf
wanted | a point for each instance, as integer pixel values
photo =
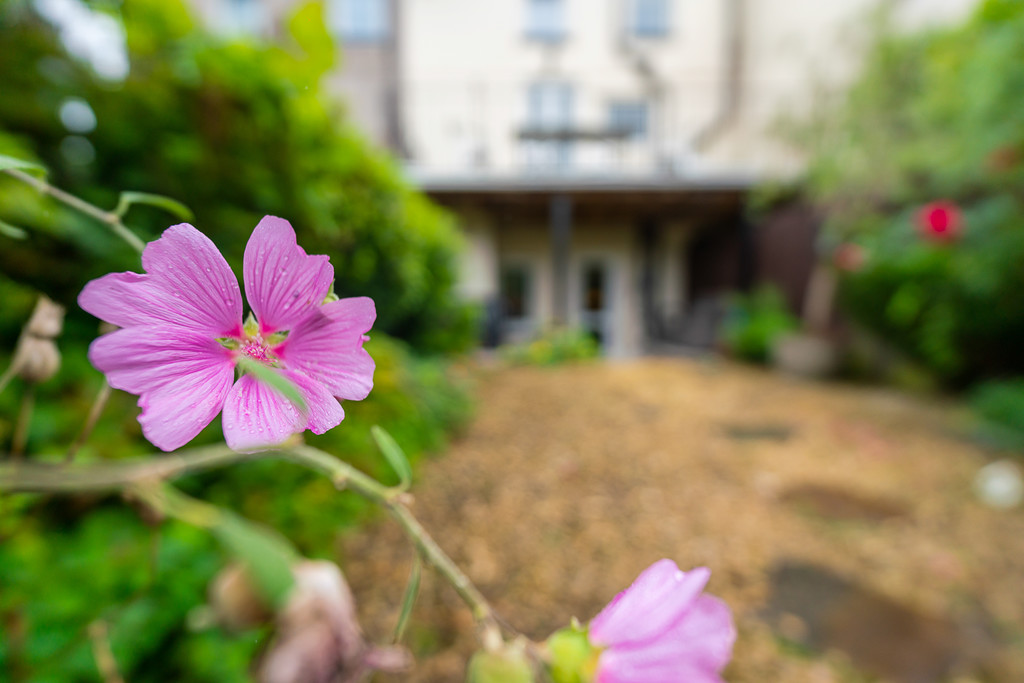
(274, 379)
(266, 556)
(172, 206)
(394, 455)
(12, 231)
(7, 163)
(412, 589)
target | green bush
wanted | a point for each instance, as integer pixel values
(235, 131)
(553, 347)
(67, 561)
(1000, 405)
(937, 115)
(754, 322)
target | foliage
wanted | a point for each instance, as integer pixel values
(64, 565)
(755, 321)
(937, 115)
(1000, 405)
(553, 347)
(236, 131)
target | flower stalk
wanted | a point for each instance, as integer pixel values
(109, 218)
(134, 474)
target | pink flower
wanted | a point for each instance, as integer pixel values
(182, 335)
(663, 630)
(940, 221)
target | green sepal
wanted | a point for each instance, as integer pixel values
(251, 326)
(571, 658)
(276, 338)
(331, 296)
(229, 343)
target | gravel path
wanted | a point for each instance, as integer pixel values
(572, 480)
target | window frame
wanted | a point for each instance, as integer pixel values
(638, 24)
(347, 20)
(538, 13)
(623, 105)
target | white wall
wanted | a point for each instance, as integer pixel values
(466, 65)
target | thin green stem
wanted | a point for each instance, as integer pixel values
(90, 421)
(109, 218)
(38, 477)
(21, 427)
(99, 637)
(7, 376)
(114, 476)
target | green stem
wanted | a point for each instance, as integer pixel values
(109, 218)
(90, 421)
(37, 477)
(22, 426)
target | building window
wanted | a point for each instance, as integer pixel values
(363, 21)
(648, 18)
(515, 292)
(549, 123)
(545, 20)
(245, 17)
(629, 119)
(549, 106)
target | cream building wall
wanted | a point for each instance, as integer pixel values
(449, 89)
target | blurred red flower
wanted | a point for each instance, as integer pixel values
(940, 221)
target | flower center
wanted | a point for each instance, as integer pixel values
(257, 349)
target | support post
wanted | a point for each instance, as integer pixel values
(560, 216)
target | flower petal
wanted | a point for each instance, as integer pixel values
(645, 610)
(327, 345)
(256, 416)
(695, 649)
(323, 411)
(145, 358)
(282, 282)
(124, 299)
(193, 283)
(633, 667)
(182, 382)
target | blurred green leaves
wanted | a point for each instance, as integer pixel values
(935, 115)
(8, 162)
(394, 455)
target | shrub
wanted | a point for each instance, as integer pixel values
(935, 119)
(755, 321)
(1000, 405)
(553, 347)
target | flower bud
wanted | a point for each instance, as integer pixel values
(36, 359)
(235, 602)
(47, 319)
(318, 639)
(505, 665)
(571, 658)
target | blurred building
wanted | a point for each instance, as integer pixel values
(598, 152)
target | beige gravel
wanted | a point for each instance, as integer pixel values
(572, 480)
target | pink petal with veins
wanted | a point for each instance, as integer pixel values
(282, 283)
(651, 605)
(256, 416)
(181, 384)
(196, 280)
(328, 347)
(323, 411)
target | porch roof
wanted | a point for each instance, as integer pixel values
(655, 193)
